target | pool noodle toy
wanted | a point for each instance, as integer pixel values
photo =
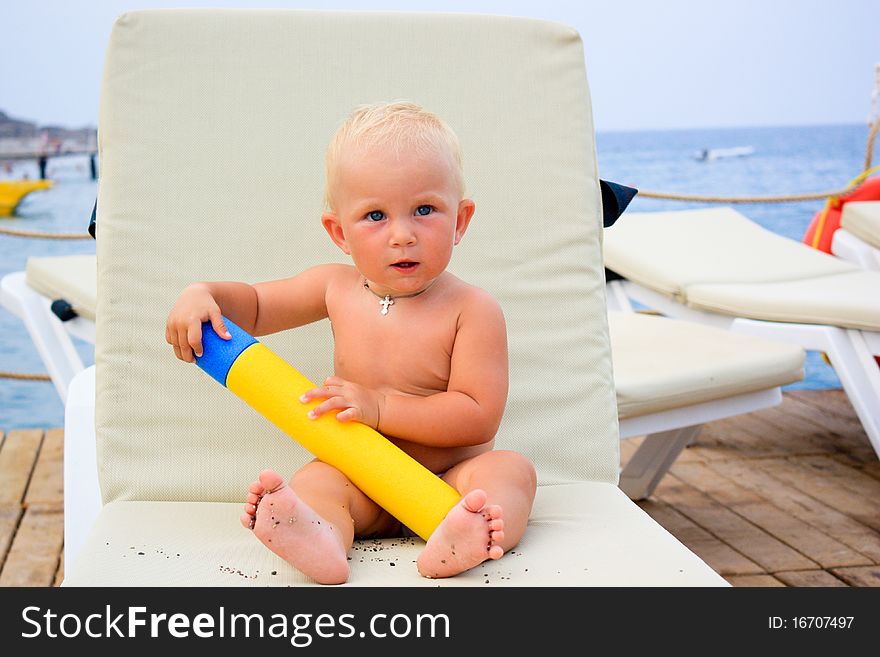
(384, 472)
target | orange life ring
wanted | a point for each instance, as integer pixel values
(826, 221)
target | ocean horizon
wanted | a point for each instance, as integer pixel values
(784, 160)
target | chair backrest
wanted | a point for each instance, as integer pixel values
(212, 133)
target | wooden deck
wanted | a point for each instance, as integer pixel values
(788, 496)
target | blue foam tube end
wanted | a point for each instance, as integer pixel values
(219, 354)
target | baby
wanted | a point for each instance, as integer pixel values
(419, 355)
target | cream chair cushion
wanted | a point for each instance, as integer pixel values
(72, 278)
(662, 363)
(862, 219)
(718, 260)
(580, 534)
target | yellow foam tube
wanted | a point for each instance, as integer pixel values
(384, 472)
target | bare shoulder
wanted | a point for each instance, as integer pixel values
(337, 276)
(477, 305)
(332, 272)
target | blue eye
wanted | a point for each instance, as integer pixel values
(424, 210)
(376, 215)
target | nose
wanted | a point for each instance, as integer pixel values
(402, 232)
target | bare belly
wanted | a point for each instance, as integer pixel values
(440, 459)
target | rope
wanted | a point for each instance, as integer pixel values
(699, 198)
(786, 198)
(23, 377)
(872, 135)
(43, 235)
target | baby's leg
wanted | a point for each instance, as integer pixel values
(498, 489)
(311, 522)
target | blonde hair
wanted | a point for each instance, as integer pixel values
(399, 125)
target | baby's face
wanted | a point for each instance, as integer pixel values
(398, 217)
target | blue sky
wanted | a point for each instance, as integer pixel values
(651, 64)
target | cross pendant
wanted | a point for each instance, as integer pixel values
(387, 301)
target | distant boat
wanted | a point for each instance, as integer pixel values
(13, 191)
(717, 153)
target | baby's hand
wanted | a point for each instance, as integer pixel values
(183, 330)
(359, 403)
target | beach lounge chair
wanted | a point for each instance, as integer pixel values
(52, 288)
(671, 377)
(211, 149)
(716, 266)
(858, 238)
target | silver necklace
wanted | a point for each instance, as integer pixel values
(386, 300)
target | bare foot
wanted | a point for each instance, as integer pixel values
(292, 530)
(468, 535)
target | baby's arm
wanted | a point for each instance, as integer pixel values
(259, 309)
(468, 413)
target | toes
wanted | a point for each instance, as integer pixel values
(493, 511)
(495, 552)
(475, 500)
(256, 488)
(247, 521)
(271, 481)
(254, 499)
(250, 509)
(496, 537)
(496, 524)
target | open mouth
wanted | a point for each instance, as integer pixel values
(405, 265)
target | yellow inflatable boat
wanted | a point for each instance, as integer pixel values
(12, 191)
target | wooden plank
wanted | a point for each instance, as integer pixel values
(760, 581)
(846, 435)
(859, 576)
(803, 537)
(47, 481)
(798, 436)
(836, 473)
(59, 574)
(872, 469)
(9, 517)
(814, 409)
(628, 447)
(804, 578)
(761, 434)
(824, 518)
(759, 546)
(17, 458)
(823, 487)
(832, 402)
(729, 438)
(720, 557)
(33, 557)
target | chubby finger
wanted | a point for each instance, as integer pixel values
(218, 325)
(334, 403)
(194, 339)
(316, 393)
(334, 381)
(349, 414)
(177, 352)
(183, 344)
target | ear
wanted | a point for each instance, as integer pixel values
(466, 209)
(333, 227)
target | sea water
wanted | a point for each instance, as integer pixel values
(785, 160)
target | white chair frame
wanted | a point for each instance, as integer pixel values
(850, 351)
